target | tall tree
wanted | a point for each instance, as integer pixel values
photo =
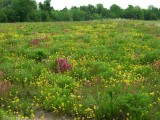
(10, 13)
(116, 11)
(78, 15)
(3, 16)
(129, 12)
(46, 6)
(134, 12)
(5, 3)
(23, 8)
(100, 8)
(154, 12)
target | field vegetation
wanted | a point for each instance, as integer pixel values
(106, 69)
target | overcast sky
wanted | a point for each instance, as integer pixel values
(60, 4)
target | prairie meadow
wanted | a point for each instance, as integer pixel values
(103, 69)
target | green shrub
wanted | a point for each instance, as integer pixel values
(135, 106)
(3, 16)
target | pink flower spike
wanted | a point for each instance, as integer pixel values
(133, 91)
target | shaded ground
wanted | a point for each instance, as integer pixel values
(43, 115)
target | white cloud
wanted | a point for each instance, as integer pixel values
(60, 4)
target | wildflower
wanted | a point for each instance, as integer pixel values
(35, 42)
(152, 93)
(87, 83)
(119, 67)
(79, 96)
(150, 105)
(120, 110)
(95, 107)
(5, 87)
(80, 105)
(62, 65)
(135, 55)
(133, 91)
(62, 104)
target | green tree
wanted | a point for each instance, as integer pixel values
(149, 15)
(159, 13)
(55, 16)
(85, 11)
(139, 13)
(99, 8)
(23, 8)
(134, 12)
(116, 11)
(105, 13)
(62, 15)
(78, 15)
(5, 3)
(6, 7)
(46, 6)
(45, 16)
(66, 15)
(91, 9)
(3, 16)
(154, 12)
(26, 10)
(11, 14)
(35, 16)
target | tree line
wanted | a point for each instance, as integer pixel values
(30, 11)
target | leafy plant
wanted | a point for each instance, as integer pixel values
(62, 65)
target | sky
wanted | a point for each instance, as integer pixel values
(60, 4)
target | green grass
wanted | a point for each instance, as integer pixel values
(115, 70)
